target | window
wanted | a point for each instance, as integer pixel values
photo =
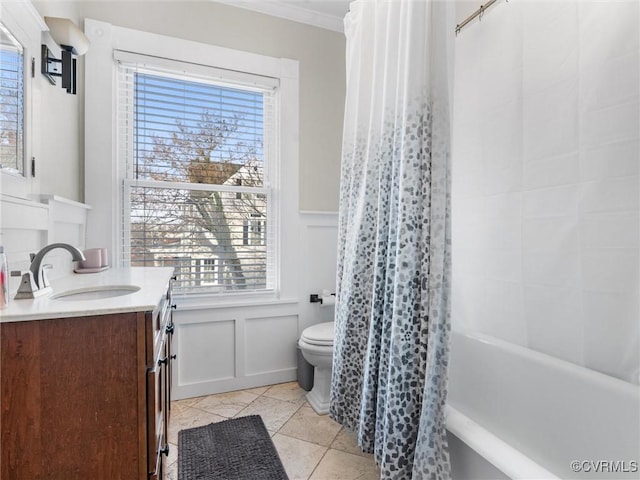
(198, 150)
(253, 231)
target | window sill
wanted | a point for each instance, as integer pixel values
(188, 302)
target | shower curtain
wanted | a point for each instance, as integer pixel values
(394, 252)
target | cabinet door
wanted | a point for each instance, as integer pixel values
(155, 409)
(157, 382)
(70, 398)
(159, 388)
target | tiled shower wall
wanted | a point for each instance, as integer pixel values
(545, 180)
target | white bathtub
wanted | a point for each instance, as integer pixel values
(516, 413)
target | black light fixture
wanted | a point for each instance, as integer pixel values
(72, 41)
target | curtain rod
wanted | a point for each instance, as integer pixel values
(478, 13)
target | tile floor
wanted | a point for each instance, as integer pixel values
(311, 446)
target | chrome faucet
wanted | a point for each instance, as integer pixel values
(34, 282)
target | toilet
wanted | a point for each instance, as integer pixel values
(316, 345)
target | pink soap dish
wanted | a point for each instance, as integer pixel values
(90, 270)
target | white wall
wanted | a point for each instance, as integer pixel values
(61, 163)
(545, 180)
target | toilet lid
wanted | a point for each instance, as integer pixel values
(320, 334)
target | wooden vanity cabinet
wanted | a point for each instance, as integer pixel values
(86, 397)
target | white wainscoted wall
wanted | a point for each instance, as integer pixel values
(29, 225)
(228, 347)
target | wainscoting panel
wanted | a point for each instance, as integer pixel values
(207, 351)
(220, 349)
(270, 344)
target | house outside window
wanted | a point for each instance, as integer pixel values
(197, 196)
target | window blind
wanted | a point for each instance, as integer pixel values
(198, 150)
(11, 103)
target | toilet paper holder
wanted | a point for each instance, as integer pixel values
(317, 298)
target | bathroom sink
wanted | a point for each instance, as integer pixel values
(96, 293)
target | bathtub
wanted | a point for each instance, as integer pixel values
(516, 413)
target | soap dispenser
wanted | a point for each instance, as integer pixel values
(4, 279)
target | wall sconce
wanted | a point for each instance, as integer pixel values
(72, 42)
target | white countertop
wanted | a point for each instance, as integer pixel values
(153, 283)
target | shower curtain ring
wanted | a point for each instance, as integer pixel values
(481, 12)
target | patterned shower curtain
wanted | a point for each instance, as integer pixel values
(394, 254)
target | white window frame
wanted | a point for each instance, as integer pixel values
(190, 72)
(104, 176)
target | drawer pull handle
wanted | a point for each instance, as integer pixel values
(165, 450)
(174, 306)
(170, 329)
(163, 361)
(173, 357)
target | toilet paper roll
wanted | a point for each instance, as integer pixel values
(328, 300)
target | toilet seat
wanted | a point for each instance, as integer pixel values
(320, 335)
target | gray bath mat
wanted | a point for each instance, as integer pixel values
(236, 449)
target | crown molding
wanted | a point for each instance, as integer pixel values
(289, 12)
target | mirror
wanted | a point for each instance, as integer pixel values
(11, 103)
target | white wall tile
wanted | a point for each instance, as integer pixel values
(610, 195)
(466, 158)
(550, 234)
(468, 261)
(610, 124)
(558, 269)
(465, 232)
(470, 214)
(613, 82)
(467, 100)
(614, 271)
(504, 265)
(469, 303)
(607, 30)
(502, 149)
(501, 59)
(612, 334)
(610, 230)
(551, 172)
(554, 321)
(550, 121)
(505, 316)
(548, 202)
(610, 160)
(504, 205)
(545, 59)
(504, 233)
